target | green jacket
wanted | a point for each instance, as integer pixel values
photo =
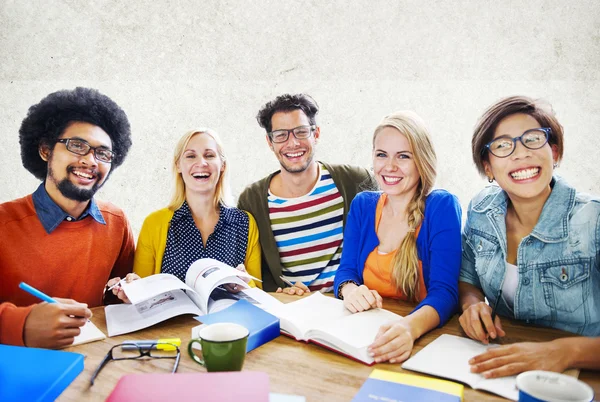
(349, 181)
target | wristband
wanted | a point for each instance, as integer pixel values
(340, 295)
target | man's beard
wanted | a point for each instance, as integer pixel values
(72, 192)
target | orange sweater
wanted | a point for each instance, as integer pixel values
(74, 261)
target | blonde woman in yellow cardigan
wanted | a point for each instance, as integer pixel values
(198, 223)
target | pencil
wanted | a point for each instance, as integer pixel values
(495, 309)
(286, 281)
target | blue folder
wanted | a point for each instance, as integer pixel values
(263, 327)
(31, 374)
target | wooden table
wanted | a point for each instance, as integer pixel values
(293, 367)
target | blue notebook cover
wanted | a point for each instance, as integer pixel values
(263, 327)
(31, 374)
(383, 385)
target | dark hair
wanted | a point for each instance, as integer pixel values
(287, 103)
(486, 126)
(48, 119)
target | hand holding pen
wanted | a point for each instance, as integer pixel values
(298, 288)
(116, 286)
(55, 323)
(481, 322)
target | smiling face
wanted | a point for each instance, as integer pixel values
(526, 173)
(200, 165)
(393, 163)
(72, 176)
(294, 155)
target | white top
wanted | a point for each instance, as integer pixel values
(509, 287)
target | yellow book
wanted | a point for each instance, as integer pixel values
(389, 386)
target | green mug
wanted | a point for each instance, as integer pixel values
(223, 347)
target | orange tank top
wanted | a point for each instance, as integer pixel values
(378, 267)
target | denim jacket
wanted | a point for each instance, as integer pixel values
(558, 262)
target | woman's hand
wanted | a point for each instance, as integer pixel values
(118, 290)
(394, 342)
(360, 298)
(232, 287)
(519, 357)
(299, 289)
(476, 321)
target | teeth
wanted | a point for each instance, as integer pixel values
(81, 174)
(525, 174)
(200, 175)
(294, 155)
(391, 180)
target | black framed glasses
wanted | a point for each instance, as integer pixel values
(504, 146)
(82, 147)
(132, 351)
(300, 132)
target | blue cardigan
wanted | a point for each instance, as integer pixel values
(438, 247)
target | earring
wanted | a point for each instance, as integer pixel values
(490, 179)
(555, 165)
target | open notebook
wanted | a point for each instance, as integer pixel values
(448, 356)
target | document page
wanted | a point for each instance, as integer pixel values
(448, 356)
(124, 318)
(142, 289)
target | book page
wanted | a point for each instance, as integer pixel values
(448, 356)
(298, 317)
(206, 274)
(142, 289)
(124, 318)
(353, 333)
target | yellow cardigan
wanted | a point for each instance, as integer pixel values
(153, 241)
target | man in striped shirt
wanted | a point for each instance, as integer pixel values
(301, 209)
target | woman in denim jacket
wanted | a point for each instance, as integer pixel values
(531, 245)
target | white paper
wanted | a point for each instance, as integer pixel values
(89, 333)
(124, 318)
(448, 356)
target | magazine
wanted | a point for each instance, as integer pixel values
(162, 296)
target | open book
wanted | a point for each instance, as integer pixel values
(325, 321)
(162, 296)
(448, 356)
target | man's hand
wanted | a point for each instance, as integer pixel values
(55, 325)
(298, 289)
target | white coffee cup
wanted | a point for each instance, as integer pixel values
(547, 386)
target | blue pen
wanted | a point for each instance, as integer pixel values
(33, 291)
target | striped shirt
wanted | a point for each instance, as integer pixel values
(308, 231)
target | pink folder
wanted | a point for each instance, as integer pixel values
(247, 386)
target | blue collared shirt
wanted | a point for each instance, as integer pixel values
(51, 215)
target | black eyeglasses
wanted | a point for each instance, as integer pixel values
(131, 351)
(300, 132)
(504, 146)
(81, 147)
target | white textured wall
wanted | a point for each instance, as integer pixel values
(175, 65)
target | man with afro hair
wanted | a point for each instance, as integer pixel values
(59, 239)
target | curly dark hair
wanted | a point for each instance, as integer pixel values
(48, 119)
(287, 103)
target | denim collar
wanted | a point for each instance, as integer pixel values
(51, 215)
(553, 224)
